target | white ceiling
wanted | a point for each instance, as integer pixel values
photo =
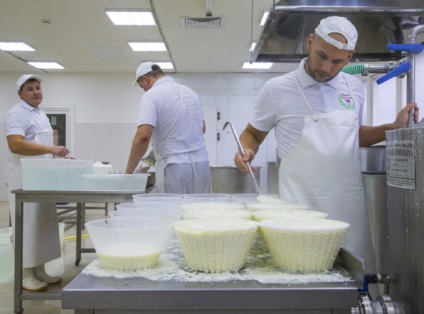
(79, 35)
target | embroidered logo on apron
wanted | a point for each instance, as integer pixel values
(346, 101)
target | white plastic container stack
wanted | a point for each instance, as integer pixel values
(55, 174)
(303, 245)
(157, 197)
(173, 215)
(217, 213)
(216, 245)
(115, 182)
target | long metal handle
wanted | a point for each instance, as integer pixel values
(252, 176)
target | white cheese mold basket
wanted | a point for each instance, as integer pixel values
(129, 243)
(303, 245)
(216, 244)
(288, 214)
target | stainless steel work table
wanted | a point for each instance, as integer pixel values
(87, 293)
(78, 197)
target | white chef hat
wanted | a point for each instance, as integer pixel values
(340, 25)
(25, 78)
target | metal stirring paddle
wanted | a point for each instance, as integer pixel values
(252, 176)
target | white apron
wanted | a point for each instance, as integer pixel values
(40, 228)
(324, 171)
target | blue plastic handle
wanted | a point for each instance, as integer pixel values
(404, 67)
(414, 48)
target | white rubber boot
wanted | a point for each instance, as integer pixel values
(40, 274)
(30, 282)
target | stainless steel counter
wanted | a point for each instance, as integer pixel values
(93, 294)
(78, 197)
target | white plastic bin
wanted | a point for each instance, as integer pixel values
(55, 174)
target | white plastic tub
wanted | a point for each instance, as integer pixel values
(55, 174)
(115, 182)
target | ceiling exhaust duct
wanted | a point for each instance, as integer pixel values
(379, 22)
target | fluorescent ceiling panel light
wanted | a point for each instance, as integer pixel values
(46, 65)
(258, 65)
(264, 17)
(252, 47)
(131, 17)
(15, 46)
(147, 46)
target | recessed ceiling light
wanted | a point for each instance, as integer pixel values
(147, 46)
(257, 65)
(264, 17)
(252, 47)
(46, 65)
(15, 46)
(122, 17)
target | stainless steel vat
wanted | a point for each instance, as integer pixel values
(373, 166)
(405, 200)
(373, 159)
(228, 179)
(376, 201)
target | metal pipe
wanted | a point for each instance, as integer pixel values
(410, 88)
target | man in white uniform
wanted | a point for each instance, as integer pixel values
(29, 134)
(171, 117)
(316, 111)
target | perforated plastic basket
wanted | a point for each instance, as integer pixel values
(303, 245)
(216, 245)
(129, 243)
(288, 214)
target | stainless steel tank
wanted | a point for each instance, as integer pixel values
(405, 200)
(228, 179)
(373, 166)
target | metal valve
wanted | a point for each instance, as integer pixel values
(383, 305)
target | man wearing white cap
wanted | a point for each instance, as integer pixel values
(171, 117)
(316, 111)
(29, 134)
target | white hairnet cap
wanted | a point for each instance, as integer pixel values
(340, 25)
(27, 77)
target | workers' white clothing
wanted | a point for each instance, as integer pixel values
(323, 169)
(280, 105)
(40, 228)
(175, 112)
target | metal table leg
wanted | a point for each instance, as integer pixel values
(18, 239)
(78, 235)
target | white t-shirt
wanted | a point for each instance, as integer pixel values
(280, 104)
(175, 112)
(23, 119)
